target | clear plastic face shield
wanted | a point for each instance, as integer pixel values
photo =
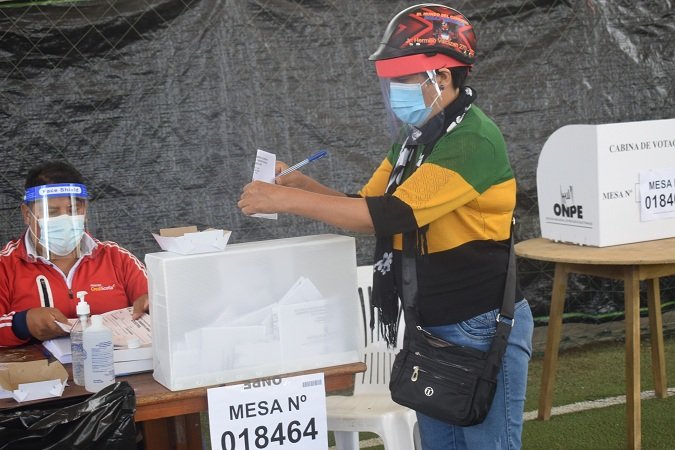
(413, 104)
(55, 215)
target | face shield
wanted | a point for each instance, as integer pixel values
(413, 104)
(55, 215)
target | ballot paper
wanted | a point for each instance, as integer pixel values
(124, 328)
(303, 303)
(127, 359)
(120, 323)
(264, 170)
(303, 290)
(262, 336)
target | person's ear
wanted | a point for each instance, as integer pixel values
(444, 79)
(25, 213)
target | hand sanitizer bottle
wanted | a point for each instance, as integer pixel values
(76, 349)
(99, 370)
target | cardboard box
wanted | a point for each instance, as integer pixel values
(32, 380)
(611, 184)
(254, 310)
(189, 241)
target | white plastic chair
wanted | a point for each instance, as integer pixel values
(371, 408)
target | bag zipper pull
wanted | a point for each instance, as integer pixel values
(423, 331)
(416, 371)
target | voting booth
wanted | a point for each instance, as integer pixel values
(602, 185)
(253, 310)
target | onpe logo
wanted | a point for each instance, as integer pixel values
(428, 391)
(567, 197)
(567, 207)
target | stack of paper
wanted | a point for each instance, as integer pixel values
(132, 360)
(131, 339)
(59, 348)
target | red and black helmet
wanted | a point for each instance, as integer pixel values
(424, 37)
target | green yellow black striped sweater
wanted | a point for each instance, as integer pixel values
(465, 191)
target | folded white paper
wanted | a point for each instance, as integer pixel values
(194, 243)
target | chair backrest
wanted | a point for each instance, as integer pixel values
(376, 355)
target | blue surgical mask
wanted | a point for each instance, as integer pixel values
(407, 102)
(64, 233)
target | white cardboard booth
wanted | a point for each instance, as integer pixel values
(253, 310)
(610, 184)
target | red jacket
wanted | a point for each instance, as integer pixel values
(111, 275)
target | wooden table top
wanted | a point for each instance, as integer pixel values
(155, 401)
(150, 392)
(661, 251)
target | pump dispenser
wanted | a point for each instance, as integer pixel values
(99, 370)
(76, 349)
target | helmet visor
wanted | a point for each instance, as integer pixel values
(412, 104)
(56, 218)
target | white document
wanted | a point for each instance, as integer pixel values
(302, 291)
(66, 327)
(309, 328)
(60, 348)
(217, 346)
(264, 170)
(270, 413)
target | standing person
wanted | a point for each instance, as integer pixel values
(447, 176)
(41, 272)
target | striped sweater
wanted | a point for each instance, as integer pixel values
(465, 192)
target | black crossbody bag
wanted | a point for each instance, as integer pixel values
(449, 382)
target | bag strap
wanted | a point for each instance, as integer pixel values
(505, 320)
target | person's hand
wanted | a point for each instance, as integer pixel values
(294, 179)
(41, 323)
(260, 197)
(140, 307)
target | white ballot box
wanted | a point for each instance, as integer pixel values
(611, 184)
(253, 310)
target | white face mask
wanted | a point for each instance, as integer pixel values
(63, 232)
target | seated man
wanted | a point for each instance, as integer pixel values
(41, 273)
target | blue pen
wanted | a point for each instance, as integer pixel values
(318, 155)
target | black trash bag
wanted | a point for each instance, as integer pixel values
(103, 421)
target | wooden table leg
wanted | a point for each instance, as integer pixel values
(656, 337)
(552, 341)
(173, 433)
(188, 432)
(632, 306)
(157, 434)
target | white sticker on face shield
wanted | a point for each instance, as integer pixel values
(55, 190)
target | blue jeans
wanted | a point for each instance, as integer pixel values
(503, 425)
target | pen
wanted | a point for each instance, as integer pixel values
(318, 155)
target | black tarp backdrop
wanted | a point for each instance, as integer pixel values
(162, 104)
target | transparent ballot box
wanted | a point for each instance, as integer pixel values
(253, 310)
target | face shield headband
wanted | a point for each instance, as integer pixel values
(55, 190)
(411, 104)
(58, 212)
